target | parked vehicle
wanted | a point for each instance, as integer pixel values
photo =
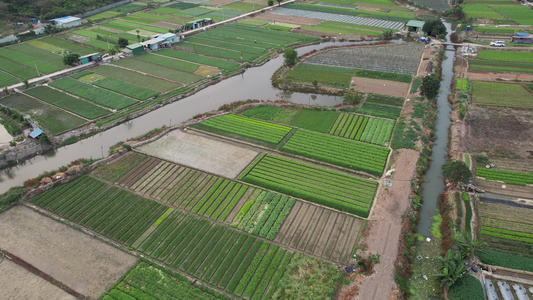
(497, 44)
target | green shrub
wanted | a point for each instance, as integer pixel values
(466, 288)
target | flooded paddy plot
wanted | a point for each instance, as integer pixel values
(77, 260)
(200, 152)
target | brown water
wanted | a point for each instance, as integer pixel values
(253, 84)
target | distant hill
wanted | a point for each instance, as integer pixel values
(16, 10)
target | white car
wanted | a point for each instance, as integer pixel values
(497, 44)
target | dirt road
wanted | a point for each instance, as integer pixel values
(385, 231)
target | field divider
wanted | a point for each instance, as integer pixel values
(198, 216)
(74, 96)
(285, 139)
(60, 108)
(152, 228)
(256, 147)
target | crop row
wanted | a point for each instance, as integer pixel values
(330, 188)
(97, 95)
(380, 110)
(147, 281)
(189, 189)
(377, 131)
(341, 152)
(29, 61)
(349, 126)
(113, 212)
(401, 59)
(125, 88)
(80, 107)
(339, 17)
(505, 176)
(113, 171)
(385, 99)
(507, 234)
(264, 215)
(233, 125)
(228, 67)
(224, 258)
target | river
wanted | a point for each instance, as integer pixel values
(434, 184)
(253, 84)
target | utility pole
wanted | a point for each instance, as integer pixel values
(38, 74)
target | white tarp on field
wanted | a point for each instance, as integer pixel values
(340, 18)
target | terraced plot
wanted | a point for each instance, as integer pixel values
(264, 214)
(341, 152)
(349, 126)
(97, 95)
(82, 108)
(400, 59)
(506, 230)
(49, 117)
(265, 133)
(186, 188)
(340, 18)
(322, 186)
(220, 256)
(320, 232)
(224, 258)
(146, 279)
(106, 209)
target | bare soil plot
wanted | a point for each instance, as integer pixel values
(19, 283)
(502, 132)
(380, 86)
(288, 19)
(79, 261)
(202, 153)
(320, 232)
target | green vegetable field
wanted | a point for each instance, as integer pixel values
(245, 128)
(342, 152)
(329, 188)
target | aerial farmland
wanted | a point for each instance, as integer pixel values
(307, 150)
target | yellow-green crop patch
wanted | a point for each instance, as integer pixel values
(91, 78)
(498, 94)
(46, 46)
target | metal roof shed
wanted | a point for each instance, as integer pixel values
(414, 26)
(37, 132)
(66, 22)
(136, 49)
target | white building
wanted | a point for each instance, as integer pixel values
(66, 22)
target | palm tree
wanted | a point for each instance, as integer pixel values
(138, 36)
(452, 269)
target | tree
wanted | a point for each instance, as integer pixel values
(279, 2)
(138, 35)
(452, 268)
(71, 59)
(434, 27)
(270, 2)
(352, 97)
(122, 42)
(290, 56)
(456, 171)
(430, 86)
(456, 12)
(467, 244)
(387, 34)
